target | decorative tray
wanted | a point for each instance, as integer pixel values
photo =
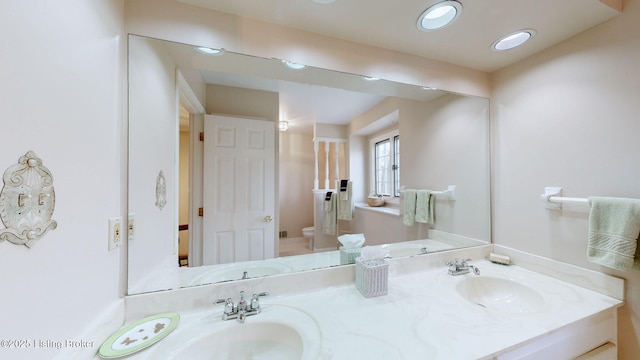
(138, 335)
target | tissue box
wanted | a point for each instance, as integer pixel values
(371, 277)
(348, 256)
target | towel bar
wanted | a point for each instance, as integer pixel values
(450, 193)
(553, 198)
(568, 199)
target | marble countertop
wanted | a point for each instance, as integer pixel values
(423, 315)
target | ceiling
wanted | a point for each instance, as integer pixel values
(306, 97)
(393, 24)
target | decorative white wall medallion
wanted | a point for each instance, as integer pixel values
(27, 201)
(161, 191)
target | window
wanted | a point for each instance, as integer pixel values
(386, 164)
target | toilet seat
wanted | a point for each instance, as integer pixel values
(308, 231)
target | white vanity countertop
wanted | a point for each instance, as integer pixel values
(424, 317)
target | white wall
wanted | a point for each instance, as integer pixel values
(153, 108)
(62, 90)
(358, 153)
(446, 142)
(569, 117)
(296, 182)
(242, 102)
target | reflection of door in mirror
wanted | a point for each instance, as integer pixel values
(239, 204)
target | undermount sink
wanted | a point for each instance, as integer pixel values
(236, 271)
(279, 332)
(500, 294)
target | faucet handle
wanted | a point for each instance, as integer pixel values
(452, 262)
(255, 303)
(220, 301)
(465, 262)
(228, 305)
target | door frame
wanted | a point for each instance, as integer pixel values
(188, 99)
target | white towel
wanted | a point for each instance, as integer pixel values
(614, 227)
(329, 219)
(424, 207)
(328, 203)
(345, 204)
(409, 207)
(344, 190)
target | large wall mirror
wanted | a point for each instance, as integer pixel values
(186, 106)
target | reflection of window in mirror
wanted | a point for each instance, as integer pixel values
(385, 150)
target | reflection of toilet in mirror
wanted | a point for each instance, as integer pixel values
(308, 234)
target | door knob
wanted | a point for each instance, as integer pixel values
(268, 218)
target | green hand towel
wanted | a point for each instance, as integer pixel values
(424, 207)
(614, 227)
(409, 207)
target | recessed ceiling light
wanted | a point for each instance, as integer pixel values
(439, 15)
(323, 1)
(210, 51)
(370, 78)
(292, 65)
(428, 88)
(513, 40)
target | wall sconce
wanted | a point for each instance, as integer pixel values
(283, 125)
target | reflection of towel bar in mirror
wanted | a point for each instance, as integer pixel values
(553, 198)
(450, 193)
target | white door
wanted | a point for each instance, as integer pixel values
(238, 190)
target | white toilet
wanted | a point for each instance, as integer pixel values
(308, 233)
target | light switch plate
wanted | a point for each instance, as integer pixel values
(115, 232)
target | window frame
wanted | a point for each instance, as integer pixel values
(394, 172)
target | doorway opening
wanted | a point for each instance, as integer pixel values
(183, 186)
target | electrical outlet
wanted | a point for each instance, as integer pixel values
(131, 227)
(115, 232)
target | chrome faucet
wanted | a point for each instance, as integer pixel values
(242, 309)
(459, 268)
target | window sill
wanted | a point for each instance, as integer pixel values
(380, 209)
